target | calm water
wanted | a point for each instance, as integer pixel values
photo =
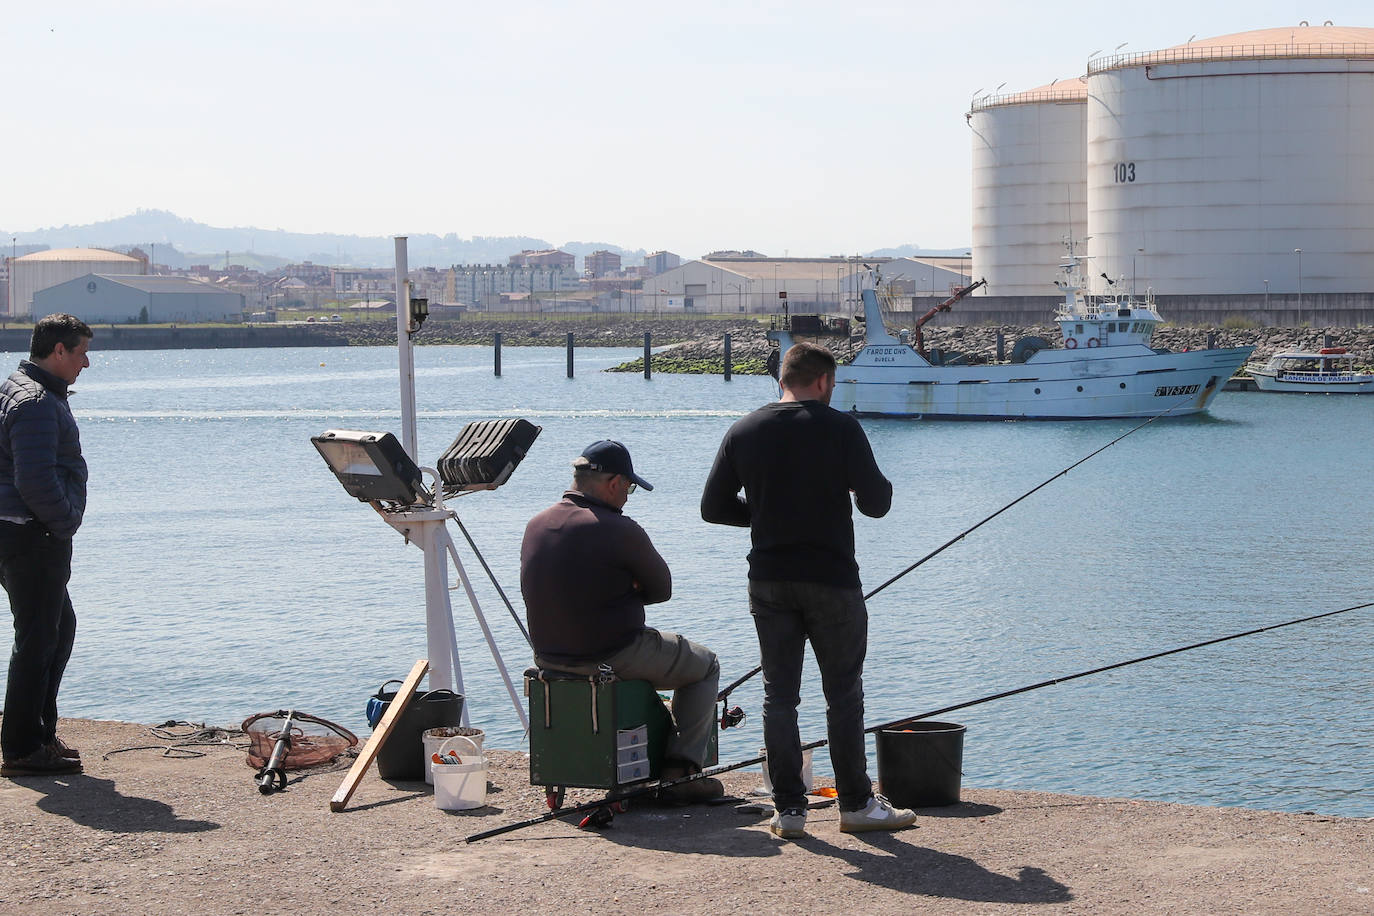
(222, 570)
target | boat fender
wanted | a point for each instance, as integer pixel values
(1092, 341)
(773, 362)
(1070, 343)
(1331, 351)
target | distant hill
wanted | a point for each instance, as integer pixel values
(914, 251)
(178, 242)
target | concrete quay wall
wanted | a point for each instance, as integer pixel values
(135, 337)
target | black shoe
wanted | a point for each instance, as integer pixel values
(63, 750)
(695, 791)
(43, 762)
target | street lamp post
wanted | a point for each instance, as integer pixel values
(1298, 252)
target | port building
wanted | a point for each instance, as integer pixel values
(125, 298)
(1238, 167)
(44, 269)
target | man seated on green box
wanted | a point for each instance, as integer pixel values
(586, 572)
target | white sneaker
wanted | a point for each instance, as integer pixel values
(789, 824)
(877, 815)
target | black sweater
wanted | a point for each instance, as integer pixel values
(797, 462)
(586, 572)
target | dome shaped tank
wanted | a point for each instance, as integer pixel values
(1028, 184)
(1210, 164)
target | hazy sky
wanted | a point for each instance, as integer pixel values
(808, 128)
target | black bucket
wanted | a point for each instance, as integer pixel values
(919, 765)
(402, 757)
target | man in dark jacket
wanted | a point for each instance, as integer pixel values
(586, 572)
(798, 460)
(42, 501)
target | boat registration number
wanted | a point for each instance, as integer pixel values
(1175, 391)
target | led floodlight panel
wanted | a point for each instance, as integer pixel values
(370, 465)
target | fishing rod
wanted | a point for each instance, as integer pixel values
(898, 723)
(967, 531)
(492, 576)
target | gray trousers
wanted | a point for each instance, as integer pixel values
(669, 662)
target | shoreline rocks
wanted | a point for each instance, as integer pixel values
(696, 345)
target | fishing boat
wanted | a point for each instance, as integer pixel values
(1105, 369)
(1331, 370)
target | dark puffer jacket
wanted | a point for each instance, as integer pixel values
(42, 473)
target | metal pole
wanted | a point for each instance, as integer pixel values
(727, 357)
(498, 354)
(570, 354)
(648, 371)
(1298, 252)
(407, 355)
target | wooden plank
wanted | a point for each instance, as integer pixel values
(379, 736)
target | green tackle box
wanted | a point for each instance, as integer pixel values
(596, 732)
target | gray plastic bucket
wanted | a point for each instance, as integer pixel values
(919, 765)
(402, 756)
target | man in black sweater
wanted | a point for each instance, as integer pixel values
(798, 460)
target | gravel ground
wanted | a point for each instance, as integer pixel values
(143, 832)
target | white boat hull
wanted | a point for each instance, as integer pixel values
(892, 380)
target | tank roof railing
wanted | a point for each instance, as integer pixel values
(1204, 53)
(1028, 98)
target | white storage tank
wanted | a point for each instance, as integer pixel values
(1210, 163)
(1028, 184)
(43, 269)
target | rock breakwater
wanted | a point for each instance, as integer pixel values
(749, 345)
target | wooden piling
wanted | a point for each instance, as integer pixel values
(570, 354)
(648, 372)
(497, 352)
(727, 356)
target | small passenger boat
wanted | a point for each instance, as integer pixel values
(1331, 370)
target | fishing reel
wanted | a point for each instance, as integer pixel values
(731, 716)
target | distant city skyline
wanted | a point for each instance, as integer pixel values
(804, 129)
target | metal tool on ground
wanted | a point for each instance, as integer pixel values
(898, 723)
(379, 736)
(272, 777)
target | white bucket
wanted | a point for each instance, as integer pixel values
(807, 779)
(460, 786)
(433, 738)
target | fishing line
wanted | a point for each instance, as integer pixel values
(967, 531)
(898, 723)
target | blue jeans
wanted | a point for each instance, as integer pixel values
(786, 615)
(34, 569)
(670, 661)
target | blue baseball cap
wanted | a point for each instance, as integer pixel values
(613, 458)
